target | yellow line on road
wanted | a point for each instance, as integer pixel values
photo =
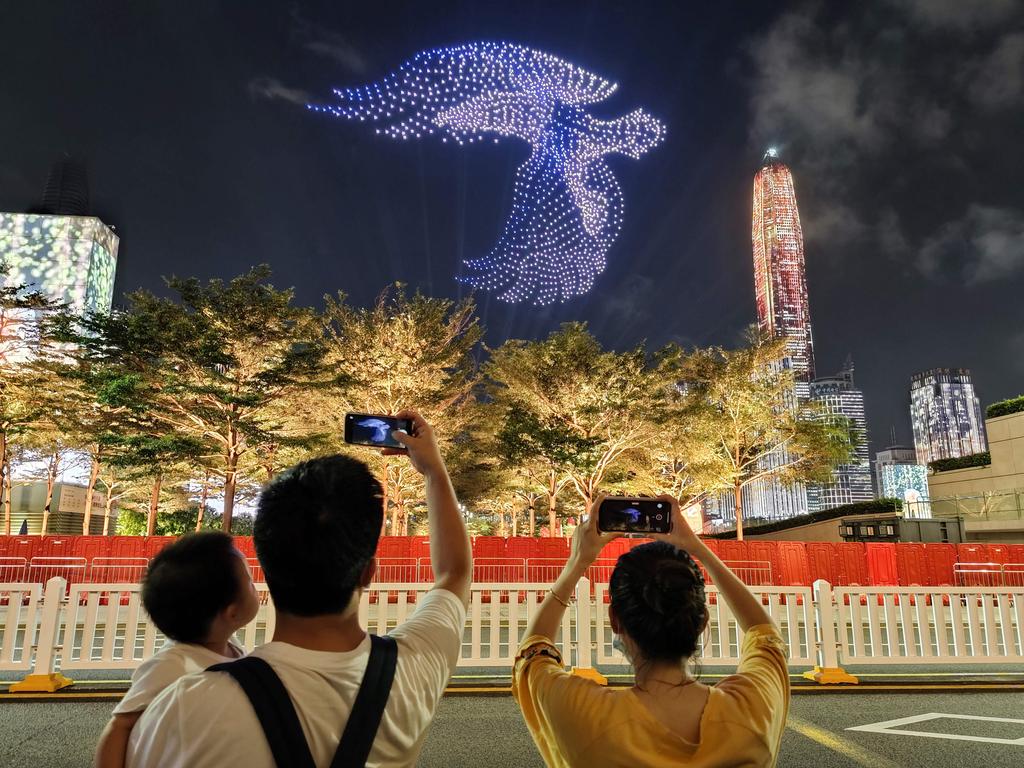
(829, 740)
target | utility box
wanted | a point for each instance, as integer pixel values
(945, 530)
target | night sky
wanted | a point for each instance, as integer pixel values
(902, 121)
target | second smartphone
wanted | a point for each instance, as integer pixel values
(375, 429)
(621, 514)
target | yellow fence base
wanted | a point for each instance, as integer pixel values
(590, 674)
(831, 676)
(42, 683)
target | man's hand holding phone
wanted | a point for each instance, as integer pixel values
(420, 445)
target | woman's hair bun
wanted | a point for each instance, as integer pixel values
(672, 586)
(657, 593)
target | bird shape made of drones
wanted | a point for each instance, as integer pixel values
(567, 206)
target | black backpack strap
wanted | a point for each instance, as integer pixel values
(273, 707)
(368, 710)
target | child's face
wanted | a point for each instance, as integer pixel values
(248, 602)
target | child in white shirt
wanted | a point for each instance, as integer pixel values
(199, 592)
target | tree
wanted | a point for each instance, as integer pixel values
(571, 410)
(213, 370)
(745, 402)
(21, 311)
(403, 352)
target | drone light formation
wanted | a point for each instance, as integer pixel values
(567, 206)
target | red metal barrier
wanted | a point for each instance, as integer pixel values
(91, 547)
(407, 559)
(882, 565)
(128, 546)
(117, 570)
(13, 569)
(793, 565)
(56, 546)
(244, 545)
(391, 547)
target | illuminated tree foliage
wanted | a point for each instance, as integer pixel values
(567, 205)
(403, 352)
(209, 371)
(574, 411)
(21, 311)
(745, 405)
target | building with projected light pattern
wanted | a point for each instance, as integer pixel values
(58, 249)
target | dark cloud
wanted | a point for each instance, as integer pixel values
(986, 244)
(999, 81)
(326, 42)
(845, 99)
(273, 89)
(959, 14)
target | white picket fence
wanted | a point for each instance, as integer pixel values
(64, 628)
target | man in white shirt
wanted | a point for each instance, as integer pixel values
(316, 532)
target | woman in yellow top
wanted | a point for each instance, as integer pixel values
(658, 612)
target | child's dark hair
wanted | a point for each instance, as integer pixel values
(657, 594)
(189, 582)
(316, 529)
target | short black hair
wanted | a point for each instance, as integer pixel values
(189, 582)
(317, 526)
(657, 593)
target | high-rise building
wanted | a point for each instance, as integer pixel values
(780, 287)
(838, 396)
(945, 415)
(780, 281)
(899, 476)
(59, 248)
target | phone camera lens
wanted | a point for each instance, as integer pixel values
(658, 516)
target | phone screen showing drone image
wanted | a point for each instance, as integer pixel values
(375, 430)
(634, 516)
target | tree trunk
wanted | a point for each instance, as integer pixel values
(7, 498)
(387, 503)
(515, 523)
(3, 482)
(204, 495)
(94, 473)
(533, 520)
(154, 505)
(51, 480)
(401, 519)
(268, 464)
(738, 492)
(108, 506)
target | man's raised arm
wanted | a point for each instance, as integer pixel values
(450, 553)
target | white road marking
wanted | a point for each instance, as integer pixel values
(889, 726)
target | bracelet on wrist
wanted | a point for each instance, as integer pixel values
(559, 599)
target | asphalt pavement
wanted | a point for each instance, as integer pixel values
(959, 729)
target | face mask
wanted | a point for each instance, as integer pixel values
(618, 645)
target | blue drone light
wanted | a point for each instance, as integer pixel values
(567, 205)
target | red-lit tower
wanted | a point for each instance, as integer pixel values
(779, 279)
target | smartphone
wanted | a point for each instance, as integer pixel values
(374, 429)
(623, 514)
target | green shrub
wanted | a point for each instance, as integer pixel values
(1005, 407)
(982, 459)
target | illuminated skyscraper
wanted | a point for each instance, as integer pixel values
(839, 396)
(946, 415)
(780, 286)
(780, 282)
(59, 249)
